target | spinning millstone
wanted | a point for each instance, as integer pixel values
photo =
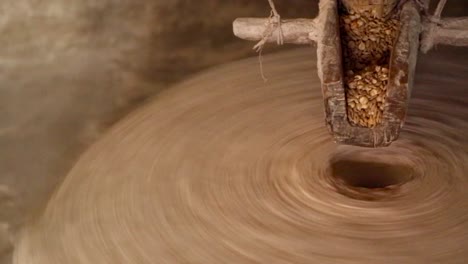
(367, 52)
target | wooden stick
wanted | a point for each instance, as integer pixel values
(439, 9)
(295, 31)
(455, 22)
(450, 31)
(452, 37)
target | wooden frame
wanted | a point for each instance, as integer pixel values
(324, 30)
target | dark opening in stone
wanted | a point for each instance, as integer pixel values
(370, 175)
(366, 180)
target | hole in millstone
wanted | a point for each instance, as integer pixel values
(370, 175)
(369, 180)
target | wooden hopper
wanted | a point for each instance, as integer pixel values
(402, 67)
(325, 32)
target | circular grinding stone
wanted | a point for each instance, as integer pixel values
(224, 168)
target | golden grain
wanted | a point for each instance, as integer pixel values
(367, 42)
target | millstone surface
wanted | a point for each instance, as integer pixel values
(225, 168)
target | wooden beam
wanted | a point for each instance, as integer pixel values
(295, 31)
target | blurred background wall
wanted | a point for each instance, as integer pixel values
(70, 69)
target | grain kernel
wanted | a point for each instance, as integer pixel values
(363, 100)
(362, 46)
